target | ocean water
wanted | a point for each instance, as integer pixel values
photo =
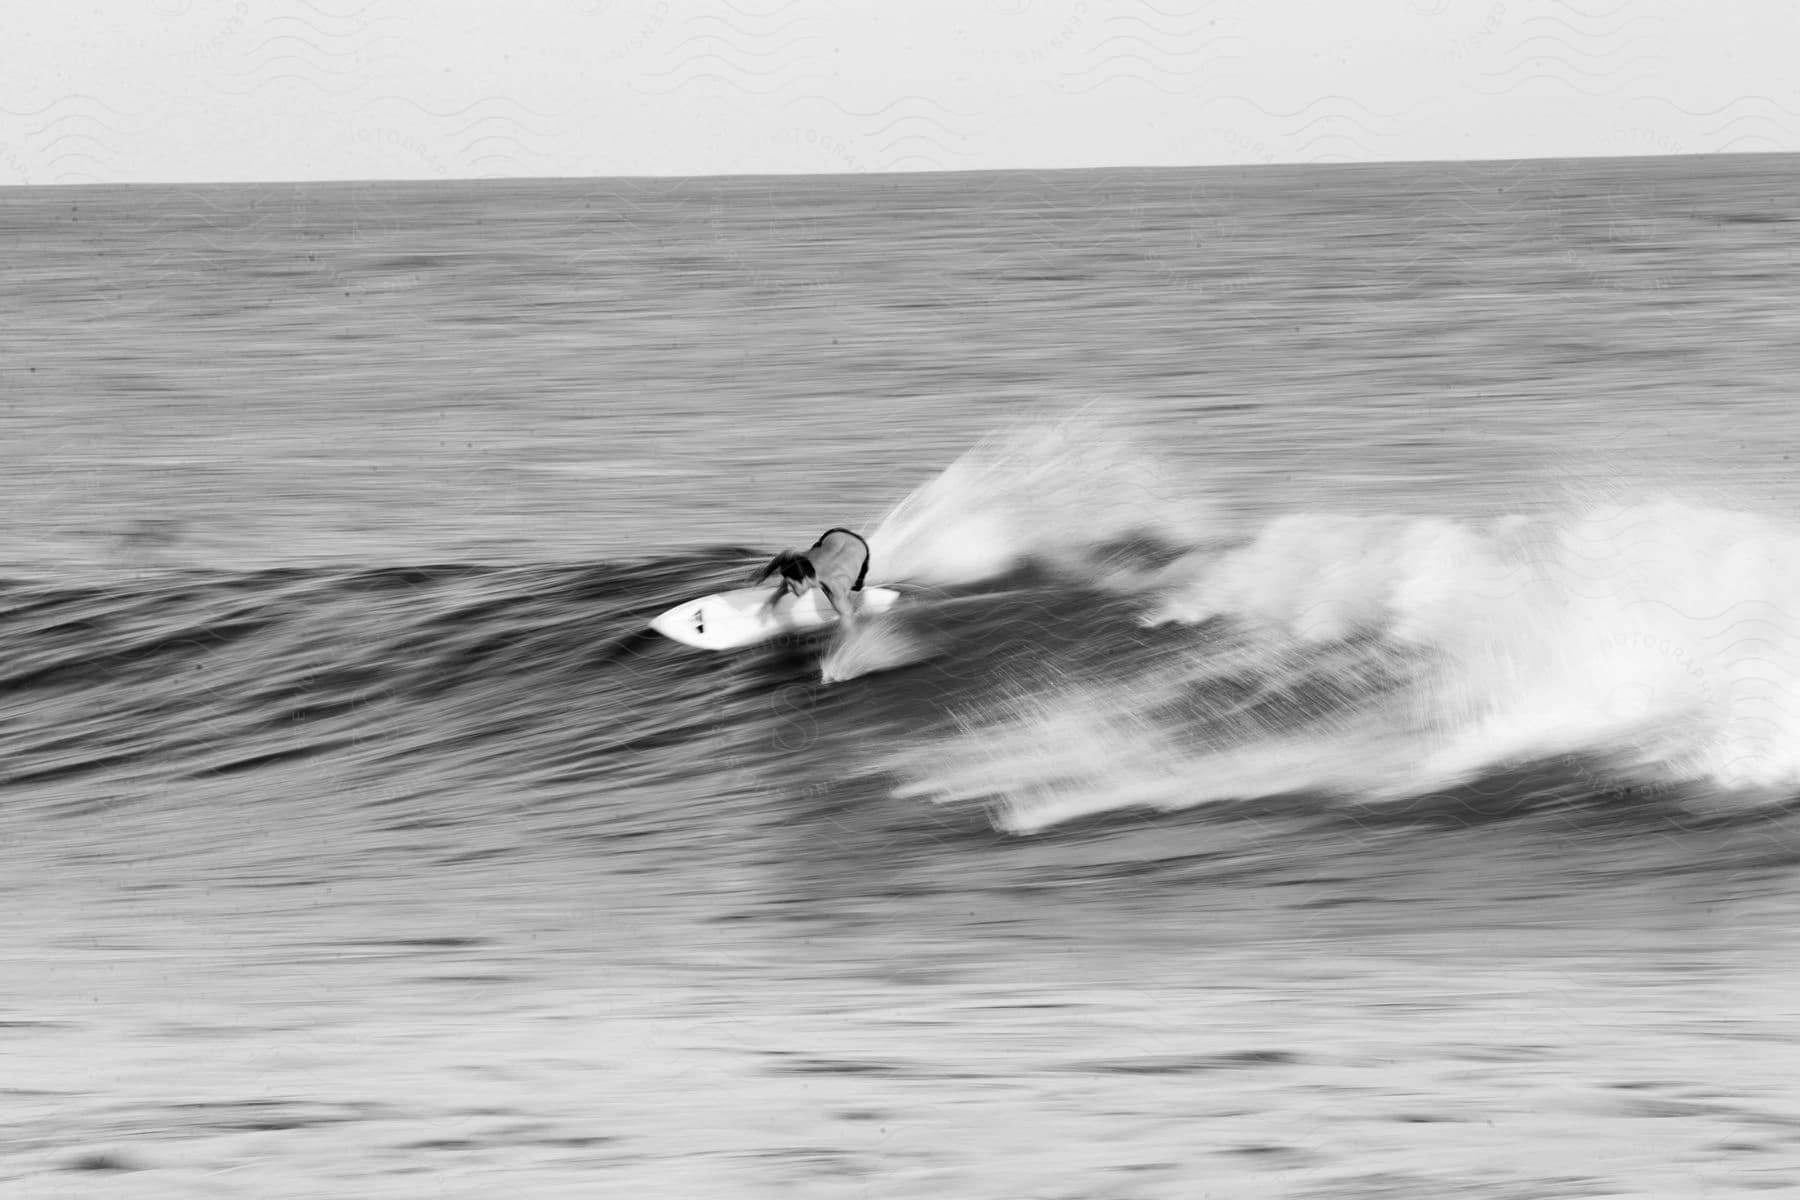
(1340, 739)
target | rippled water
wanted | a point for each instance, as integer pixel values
(1340, 739)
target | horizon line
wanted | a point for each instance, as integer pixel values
(906, 173)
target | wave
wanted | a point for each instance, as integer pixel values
(1082, 639)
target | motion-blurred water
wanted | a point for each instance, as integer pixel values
(1340, 739)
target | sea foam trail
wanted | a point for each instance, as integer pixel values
(1368, 657)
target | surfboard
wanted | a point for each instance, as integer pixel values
(733, 620)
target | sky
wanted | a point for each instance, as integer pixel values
(129, 91)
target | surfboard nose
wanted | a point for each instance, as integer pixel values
(670, 623)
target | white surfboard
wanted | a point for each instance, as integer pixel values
(733, 620)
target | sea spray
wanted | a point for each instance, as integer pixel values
(875, 644)
(1073, 496)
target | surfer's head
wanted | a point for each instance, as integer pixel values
(796, 570)
(799, 573)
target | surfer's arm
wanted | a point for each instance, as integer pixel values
(775, 564)
(843, 606)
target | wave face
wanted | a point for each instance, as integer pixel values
(390, 676)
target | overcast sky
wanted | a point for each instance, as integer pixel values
(164, 90)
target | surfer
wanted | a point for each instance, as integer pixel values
(836, 564)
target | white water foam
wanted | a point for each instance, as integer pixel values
(1661, 640)
(1664, 636)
